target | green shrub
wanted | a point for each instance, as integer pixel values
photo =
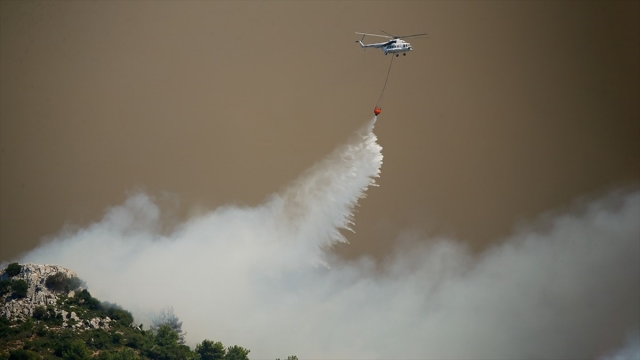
(76, 351)
(97, 339)
(20, 288)
(124, 354)
(21, 354)
(69, 349)
(40, 313)
(85, 299)
(5, 328)
(41, 330)
(52, 318)
(5, 286)
(13, 269)
(118, 314)
(26, 325)
(38, 345)
(140, 340)
(105, 355)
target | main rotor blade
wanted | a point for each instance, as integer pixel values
(408, 36)
(384, 36)
(393, 36)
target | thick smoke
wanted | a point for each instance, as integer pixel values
(261, 277)
(631, 349)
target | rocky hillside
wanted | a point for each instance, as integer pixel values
(17, 307)
(46, 312)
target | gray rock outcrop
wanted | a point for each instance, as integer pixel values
(35, 276)
(21, 308)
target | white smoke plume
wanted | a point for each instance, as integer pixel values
(261, 277)
(630, 350)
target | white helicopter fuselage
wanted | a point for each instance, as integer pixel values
(389, 47)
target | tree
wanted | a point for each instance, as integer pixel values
(13, 269)
(167, 317)
(165, 336)
(20, 288)
(60, 282)
(208, 350)
(236, 352)
(167, 347)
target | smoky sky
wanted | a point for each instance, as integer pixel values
(211, 156)
(562, 287)
(506, 109)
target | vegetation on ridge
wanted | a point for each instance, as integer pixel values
(17, 288)
(80, 327)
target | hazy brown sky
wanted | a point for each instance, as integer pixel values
(506, 110)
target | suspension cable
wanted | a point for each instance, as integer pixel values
(385, 81)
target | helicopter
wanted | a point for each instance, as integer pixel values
(394, 46)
